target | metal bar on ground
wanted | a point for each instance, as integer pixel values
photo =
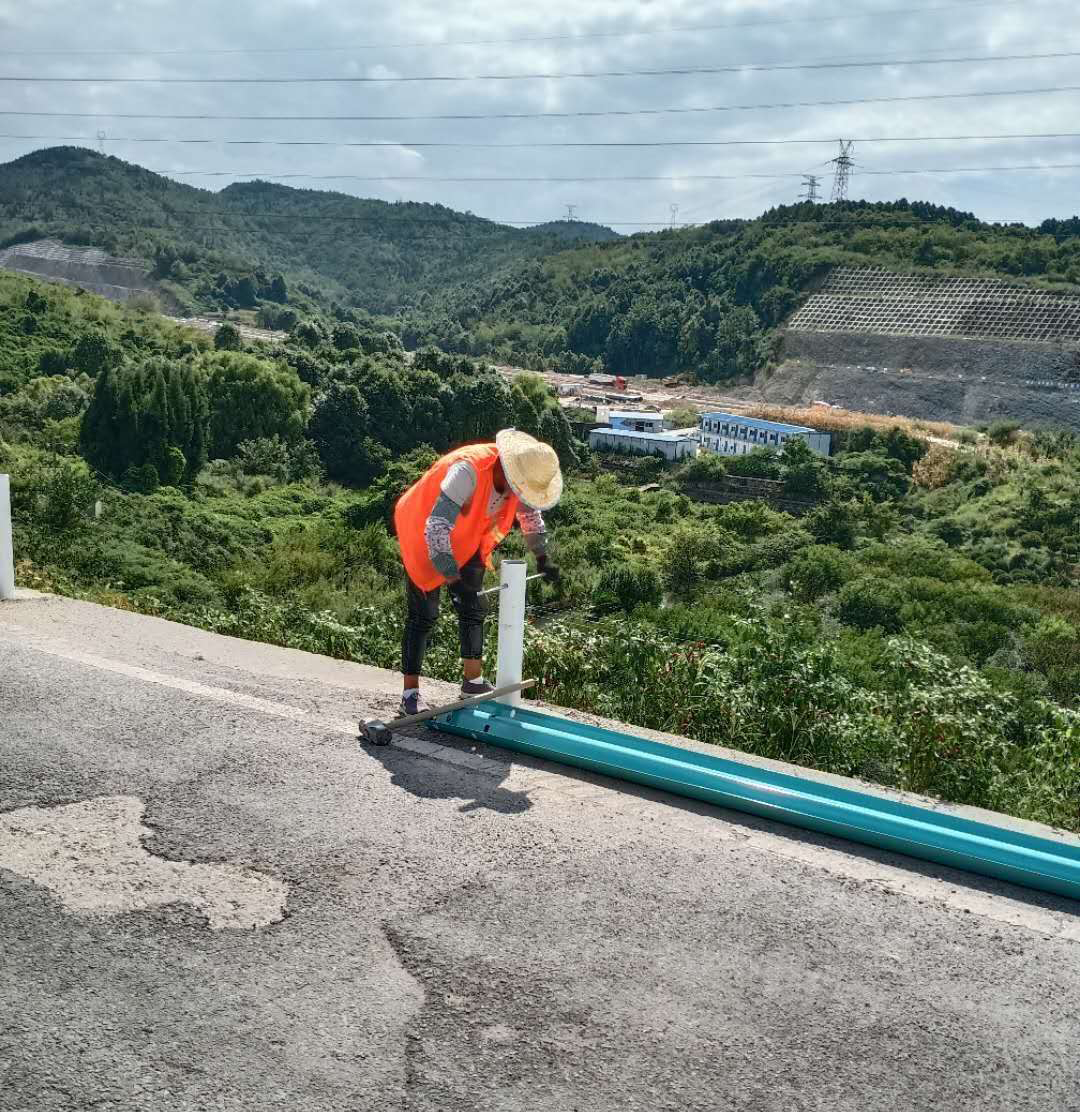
(7, 551)
(459, 704)
(934, 835)
(511, 628)
(502, 586)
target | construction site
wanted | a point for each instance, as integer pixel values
(963, 350)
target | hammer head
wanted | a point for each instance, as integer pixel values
(375, 732)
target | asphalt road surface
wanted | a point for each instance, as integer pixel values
(213, 898)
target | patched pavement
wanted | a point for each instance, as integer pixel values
(212, 897)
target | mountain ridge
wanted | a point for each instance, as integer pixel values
(394, 255)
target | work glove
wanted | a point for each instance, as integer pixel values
(548, 570)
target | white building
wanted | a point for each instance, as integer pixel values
(731, 435)
(633, 420)
(670, 445)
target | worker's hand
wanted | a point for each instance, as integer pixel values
(548, 570)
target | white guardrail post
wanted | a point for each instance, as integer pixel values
(7, 552)
(511, 628)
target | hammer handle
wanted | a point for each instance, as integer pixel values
(472, 700)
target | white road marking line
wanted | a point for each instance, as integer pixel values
(850, 865)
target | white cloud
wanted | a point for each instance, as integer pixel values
(273, 24)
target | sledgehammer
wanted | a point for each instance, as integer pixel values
(376, 732)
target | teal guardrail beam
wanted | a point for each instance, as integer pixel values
(939, 836)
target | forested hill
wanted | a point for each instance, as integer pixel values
(706, 299)
(216, 250)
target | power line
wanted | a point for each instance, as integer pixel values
(585, 114)
(567, 37)
(1003, 137)
(681, 71)
(807, 179)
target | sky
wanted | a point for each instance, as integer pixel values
(751, 157)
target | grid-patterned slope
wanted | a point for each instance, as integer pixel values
(119, 279)
(878, 302)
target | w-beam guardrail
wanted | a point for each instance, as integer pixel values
(938, 835)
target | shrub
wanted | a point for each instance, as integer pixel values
(818, 570)
(682, 564)
(759, 463)
(1003, 432)
(705, 467)
(871, 603)
(834, 522)
(228, 338)
(627, 587)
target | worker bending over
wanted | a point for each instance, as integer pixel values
(448, 524)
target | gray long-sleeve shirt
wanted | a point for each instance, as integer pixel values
(458, 486)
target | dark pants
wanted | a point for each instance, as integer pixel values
(422, 612)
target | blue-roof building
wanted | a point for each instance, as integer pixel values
(731, 435)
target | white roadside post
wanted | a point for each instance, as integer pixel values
(511, 628)
(7, 552)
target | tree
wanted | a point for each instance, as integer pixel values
(345, 336)
(883, 478)
(138, 413)
(153, 421)
(277, 290)
(94, 352)
(834, 522)
(339, 428)
(251, 397)
(818, 570)
(682, 567)
(803, 472)
(68, 493)
(228, 338)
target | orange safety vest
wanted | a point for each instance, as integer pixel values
(474, 531)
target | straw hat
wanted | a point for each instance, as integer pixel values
(531, 468)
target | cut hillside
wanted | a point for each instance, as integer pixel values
(257, 242)
(709, 300)
(967, 350)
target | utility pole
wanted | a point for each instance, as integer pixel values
(570, 211)
(811, 184)
(843, 163)
(674, 215)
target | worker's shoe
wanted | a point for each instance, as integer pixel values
(413, 703)
(475, 687)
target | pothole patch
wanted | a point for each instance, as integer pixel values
(91, 857)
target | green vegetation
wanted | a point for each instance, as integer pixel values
(261, 246)
(706, 300)
(572, 296)
(919, 626)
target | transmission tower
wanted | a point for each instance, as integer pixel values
(811, 184)
(674, 215)
(101, 141)
(570, 211)
(843, 163)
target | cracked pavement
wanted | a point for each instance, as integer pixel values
(472, 931)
